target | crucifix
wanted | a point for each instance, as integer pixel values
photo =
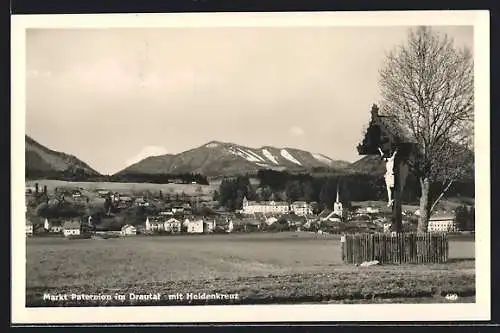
(389, 174)
(385, 138)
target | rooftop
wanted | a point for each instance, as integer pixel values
(268, 203)
(71, 225)
(127, 226)
(325, 212)
(441, 217)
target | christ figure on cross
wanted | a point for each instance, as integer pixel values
(389, 175)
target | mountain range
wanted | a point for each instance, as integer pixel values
(217, 158)
(41, 160)
(212, 159)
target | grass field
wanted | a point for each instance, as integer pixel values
(128, 188)
(261, 268)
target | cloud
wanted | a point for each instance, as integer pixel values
(146, 152)
(296, 131)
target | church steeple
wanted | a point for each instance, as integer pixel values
(337, 205)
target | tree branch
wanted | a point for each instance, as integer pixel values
(440, 196)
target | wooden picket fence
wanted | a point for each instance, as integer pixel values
(402, 248)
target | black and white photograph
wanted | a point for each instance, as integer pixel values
(238, 166)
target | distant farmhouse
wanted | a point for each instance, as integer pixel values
(29, 228)
(54, 226)
(173, 225)
(194, 226)
(141, 202)
(103, 193)
(76, 194)
(128, 230)
(301, 208)
(161, 224)
(209, 226)
(230, 226)
(367, 210)
(153, 224)
(442, 223)
(271, 220)
(72, 227)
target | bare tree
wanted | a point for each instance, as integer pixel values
(427, 85)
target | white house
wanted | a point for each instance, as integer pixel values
(56, 227)
(209, 225)
(29, 228)
(372, 210)
(142, 202)
(178, 209)
(172, 225)
(115, 197)
(301, 208)
(102, 193)
(71, 228)
(271, 220)
(154, 224)
(128, 230)
(230, 226)
(194, 226)
(442, 223)
(52, 226)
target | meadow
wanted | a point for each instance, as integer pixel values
(129, 188)
(261, 268)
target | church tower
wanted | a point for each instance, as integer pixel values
(337, 205)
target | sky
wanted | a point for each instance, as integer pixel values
(114, 96)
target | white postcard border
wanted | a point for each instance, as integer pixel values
(255, 313)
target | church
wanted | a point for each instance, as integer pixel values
(335, 215)
(337, 205)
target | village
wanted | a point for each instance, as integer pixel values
(179, 214)
(327, 165)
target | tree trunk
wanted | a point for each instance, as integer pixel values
(424, 205)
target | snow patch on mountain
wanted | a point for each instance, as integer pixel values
(245, 154)
(322, 158)
(212, 145)
(270, 156)
(256, 155)
(249, 157)
(289, 157)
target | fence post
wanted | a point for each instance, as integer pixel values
(416, 248)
